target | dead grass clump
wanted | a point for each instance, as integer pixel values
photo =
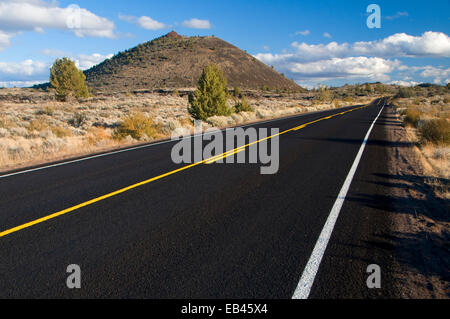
(136, 125)
(96, 135)
(436, 131)
(61, 132)
(412, 117)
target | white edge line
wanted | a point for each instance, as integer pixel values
(309, 273)
(144, 146)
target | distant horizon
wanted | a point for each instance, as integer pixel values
(324, 43)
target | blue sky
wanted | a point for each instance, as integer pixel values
(311, 42)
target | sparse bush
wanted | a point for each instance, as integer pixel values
(136, 125)
(210, 98)
(78, 119)
(97, 134)
(38, 126)
(405, 92)
(436, 131)
(237, 93)
(242, 106)
(67, 80)
(61, 131)
(46, 111)
(325, 94)
(412, 117)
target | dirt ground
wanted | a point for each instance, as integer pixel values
(421, 220)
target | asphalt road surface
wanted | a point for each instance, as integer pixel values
(207, 231)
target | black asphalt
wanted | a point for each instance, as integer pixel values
(212, 231)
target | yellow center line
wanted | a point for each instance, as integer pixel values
(210, 160)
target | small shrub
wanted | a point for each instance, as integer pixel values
(61, 131)
(237, 93)
(97, 134)
(78, 119)
(412, 117)
(37, 125)
(405, 92)
(436, 131)
(137, 126)
(46, 111)
(242, 106)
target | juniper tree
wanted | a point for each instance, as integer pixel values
(67, 80)
(210, 98)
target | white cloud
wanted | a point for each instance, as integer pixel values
(150, 24)
(197, 24)
(371, 60)
(85, 62)
(38, 15)
(404, 83)
(5, 39)
(439, 75)
(17, 71)
(398, 15)
(327, 35)
(30, 72)
(429, 44)
(144, 22)
(376, 69)
(21, 83)
(306, 32)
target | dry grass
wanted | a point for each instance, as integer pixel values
(428, 126)
(34, 129)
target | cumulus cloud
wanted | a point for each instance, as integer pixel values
(5, 39)
(17, 71)
(144, 22)
(30, 72)
(84, 61)
(197, 24)
(150, 24)
(429, 44)
(439, 75)
(327, 35)
(404, 83)
(371, 59)
(376, 69)
(38, 15)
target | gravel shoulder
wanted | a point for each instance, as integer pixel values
(421, 220)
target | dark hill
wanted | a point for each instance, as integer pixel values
(175, 61)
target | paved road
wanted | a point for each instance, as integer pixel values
(210, 231)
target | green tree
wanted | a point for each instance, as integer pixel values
(210, 98)
(67, 80)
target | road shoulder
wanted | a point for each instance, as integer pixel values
(420, 221)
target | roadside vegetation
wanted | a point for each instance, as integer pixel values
(36, 126)
(425, 111)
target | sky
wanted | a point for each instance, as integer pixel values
(312, 42)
